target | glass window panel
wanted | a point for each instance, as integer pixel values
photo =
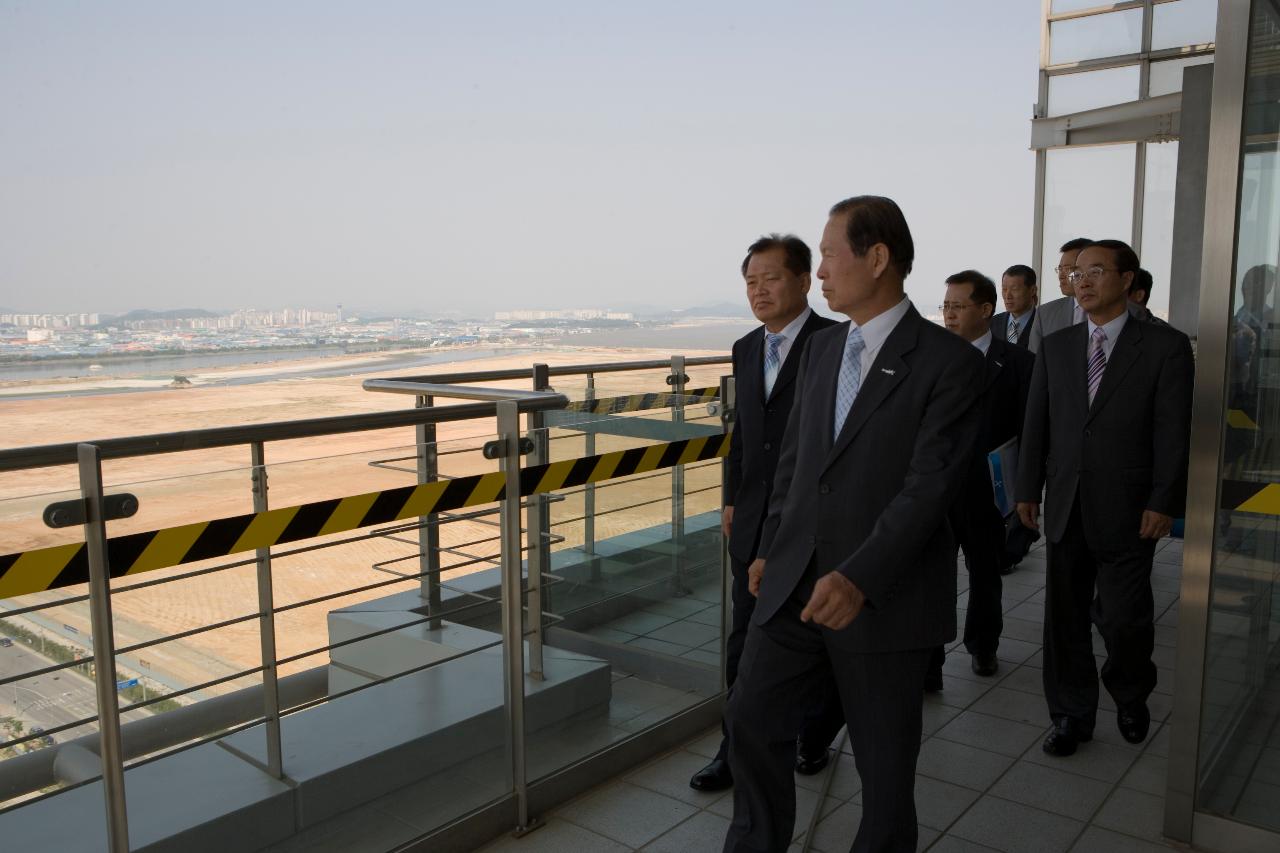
(1166, 77)
(1088, 192)
(1157, 222)
(1240, 712)
(1071, 93)
(1060, 6)
(1095, 37)
(1184, 23)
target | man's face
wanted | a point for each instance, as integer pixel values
(775, 293)
(1018, 298)
(848, 280)
(1066, 264)
(1100, 288)
(960, 314)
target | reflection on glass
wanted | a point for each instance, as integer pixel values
(1060, 6)
(1072, 93)
(1240, 718)
(1088, 193)
(1157, 222)
(1166, 77)
(1112, 34)
(1184, 23)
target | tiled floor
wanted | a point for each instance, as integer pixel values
(983, 782)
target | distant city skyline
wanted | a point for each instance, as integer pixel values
(407, 158)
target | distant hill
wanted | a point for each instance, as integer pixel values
(715, 309)
(143, 314)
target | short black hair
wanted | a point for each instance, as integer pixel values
(1075, 244)
(797, 257)
(875, 219)
(1024, 272)
(1125, 257)
(1142, 281)
(984, 289)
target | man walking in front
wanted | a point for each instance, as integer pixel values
(856, 564)
(1108, 424)
(765, 360)
(1018, 289)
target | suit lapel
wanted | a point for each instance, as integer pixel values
(1123, 355)
(994, 362)
(755, 366)
(882, 377)
(787, 373)
(1078, 366)
(1024, 329)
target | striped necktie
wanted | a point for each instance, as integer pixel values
(850, 377)
(772, 360)
(1013, 329)
(1097, 361)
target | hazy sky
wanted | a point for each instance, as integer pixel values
(485, 155)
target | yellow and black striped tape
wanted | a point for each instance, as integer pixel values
(66, 565)
(1262, 498)
(640, 402)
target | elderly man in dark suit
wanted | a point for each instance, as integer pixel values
(856, 566)
(1108, 425)
(978, 524)
(765, 361)
(1018, 289)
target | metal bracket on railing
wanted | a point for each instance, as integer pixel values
(495, 449)
(72, 513)
(678, 379)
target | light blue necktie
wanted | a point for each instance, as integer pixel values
(772, 361)
(1013, 330)
(850, 377)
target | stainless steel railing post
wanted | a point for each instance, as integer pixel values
(512, 612)
(267, 621)
(728, 404)
(539, 527)
(429, 531)
(589, 492)
(104, 654)
(677, 381)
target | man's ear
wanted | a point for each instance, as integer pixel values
(880, 259)
(805, 281)
(988, 311)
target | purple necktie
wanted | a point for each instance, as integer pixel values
(1097, 361)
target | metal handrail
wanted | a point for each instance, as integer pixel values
(562, 370)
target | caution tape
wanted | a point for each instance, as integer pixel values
(640, 402)
(1262, 498)
(67, 565)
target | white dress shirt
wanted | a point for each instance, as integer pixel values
(1112, 329)
(983, 343)
(789, 333)
(875, 331)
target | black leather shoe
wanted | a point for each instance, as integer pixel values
(984, 665)
(810, 764)
(933, 681)
(1134, 723)
(714, 777)
(1065, 737)
(1008, 568)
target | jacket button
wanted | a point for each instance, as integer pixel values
(813, 540)
(1087, 433)
(824, 489)
(768, 446)
(771, 410)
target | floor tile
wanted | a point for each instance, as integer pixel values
(1052, 790)
(835, 833)
(1095, 839)
(1014, 705)
(951, 844)
(1015, 828)
(1100, 761)
(960, 764)
(1148, 774)
(557, 836)
(627, 813)
(670, 775)
(703, 831)
(1133, 813)
(938, 804)
(991, 734)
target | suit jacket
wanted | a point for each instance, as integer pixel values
(757, 432)
(1000, 328)
(1060, 314)
(872, 502)
(1125, 453)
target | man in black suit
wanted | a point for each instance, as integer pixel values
(1140, 295)
(765, 360)
(1018, 289)
(978, 524)
(856, 565)
(1108, 424)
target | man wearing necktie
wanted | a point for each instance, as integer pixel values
(1108, 425)
(856, 566)
(1018, 290)
(765, 360)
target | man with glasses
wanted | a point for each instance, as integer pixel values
(977, 523)
(1018, 289)
(1108, 425)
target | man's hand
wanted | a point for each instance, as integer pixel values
(726, 521)
(754, 575)
(836, 602)
(1029, 515)
(1155, 525)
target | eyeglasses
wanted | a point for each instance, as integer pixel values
(1093, 274)
(1063, 270)
(948, 307)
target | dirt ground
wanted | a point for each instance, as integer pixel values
(184, 487)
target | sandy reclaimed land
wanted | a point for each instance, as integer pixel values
(197, 485)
